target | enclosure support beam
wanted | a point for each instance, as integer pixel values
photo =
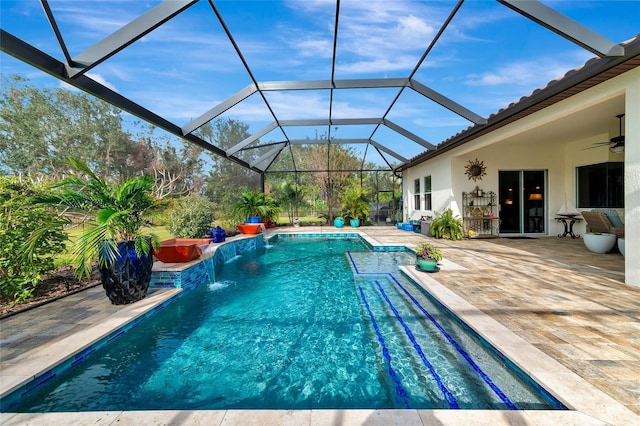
(447, 103)
(23, 51)
(565, 27)
(251, 138)
(126, 35)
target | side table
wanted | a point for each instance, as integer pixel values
(568, 222)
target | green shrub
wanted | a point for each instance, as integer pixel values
(446, 225)
(30, 238)
(192, 217)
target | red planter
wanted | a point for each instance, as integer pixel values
(250, 228)
(180, 250)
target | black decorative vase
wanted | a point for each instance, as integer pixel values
(127, 278)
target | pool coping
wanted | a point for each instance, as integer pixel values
(586, 403)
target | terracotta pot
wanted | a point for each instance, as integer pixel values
(179, 250)
(250, 228)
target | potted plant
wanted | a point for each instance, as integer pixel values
(255, 206)
(599, 242)
(427, 257)
(116, 240)
(355, 204)
(446, 225)
(338, 222)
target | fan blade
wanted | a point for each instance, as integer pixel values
(596, 145)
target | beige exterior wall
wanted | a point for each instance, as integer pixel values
(632, 182)
(551, 140)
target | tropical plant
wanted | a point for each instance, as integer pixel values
(355, 202)
(120, 212)
(446, 225)
(428, 251)
(256, 203)
(192, 217)
(291, 195)
(20, 272)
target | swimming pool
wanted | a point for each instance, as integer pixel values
(306, 323)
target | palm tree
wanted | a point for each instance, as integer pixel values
(116, 239)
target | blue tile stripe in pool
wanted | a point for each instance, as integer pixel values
(447, 336)
(353, 263)
(400, 391)
(448, 396)
(460, 350)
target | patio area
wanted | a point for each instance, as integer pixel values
(563, 300)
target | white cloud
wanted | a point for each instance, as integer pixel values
(537, 71)
(100, 79)
(372, 37)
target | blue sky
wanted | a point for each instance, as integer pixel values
(487, 58)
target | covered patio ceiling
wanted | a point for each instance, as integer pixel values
(385, 78)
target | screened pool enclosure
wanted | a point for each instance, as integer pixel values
(333, 90)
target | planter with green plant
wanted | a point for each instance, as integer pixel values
(116, 239)
(446, 225)
(338, 222)
(255, 206)
(355, 204)
(427, 257)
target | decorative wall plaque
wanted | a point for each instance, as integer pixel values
(475, 169)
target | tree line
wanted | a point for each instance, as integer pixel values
(40, 128)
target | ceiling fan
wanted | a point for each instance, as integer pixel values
(616, 143)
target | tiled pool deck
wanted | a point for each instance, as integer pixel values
(561, 313)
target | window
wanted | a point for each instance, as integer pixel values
(601, 185)
(427, 192)
(416, 194)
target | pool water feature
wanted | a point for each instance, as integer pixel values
(308, 323)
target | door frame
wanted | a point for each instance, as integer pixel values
(522, 203)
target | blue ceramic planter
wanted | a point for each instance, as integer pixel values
(126, 278)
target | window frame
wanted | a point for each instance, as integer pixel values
(427, 193)
(592, 175)
(416, 194)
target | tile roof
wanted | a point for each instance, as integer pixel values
(595, 71)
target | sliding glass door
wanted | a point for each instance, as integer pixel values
(522, 195)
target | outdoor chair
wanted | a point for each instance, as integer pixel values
(598, 221)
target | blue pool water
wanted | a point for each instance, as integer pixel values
(305, 323)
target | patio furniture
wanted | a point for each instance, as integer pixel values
(568, 221)
(598, 221)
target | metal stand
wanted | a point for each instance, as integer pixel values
(568, 222)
